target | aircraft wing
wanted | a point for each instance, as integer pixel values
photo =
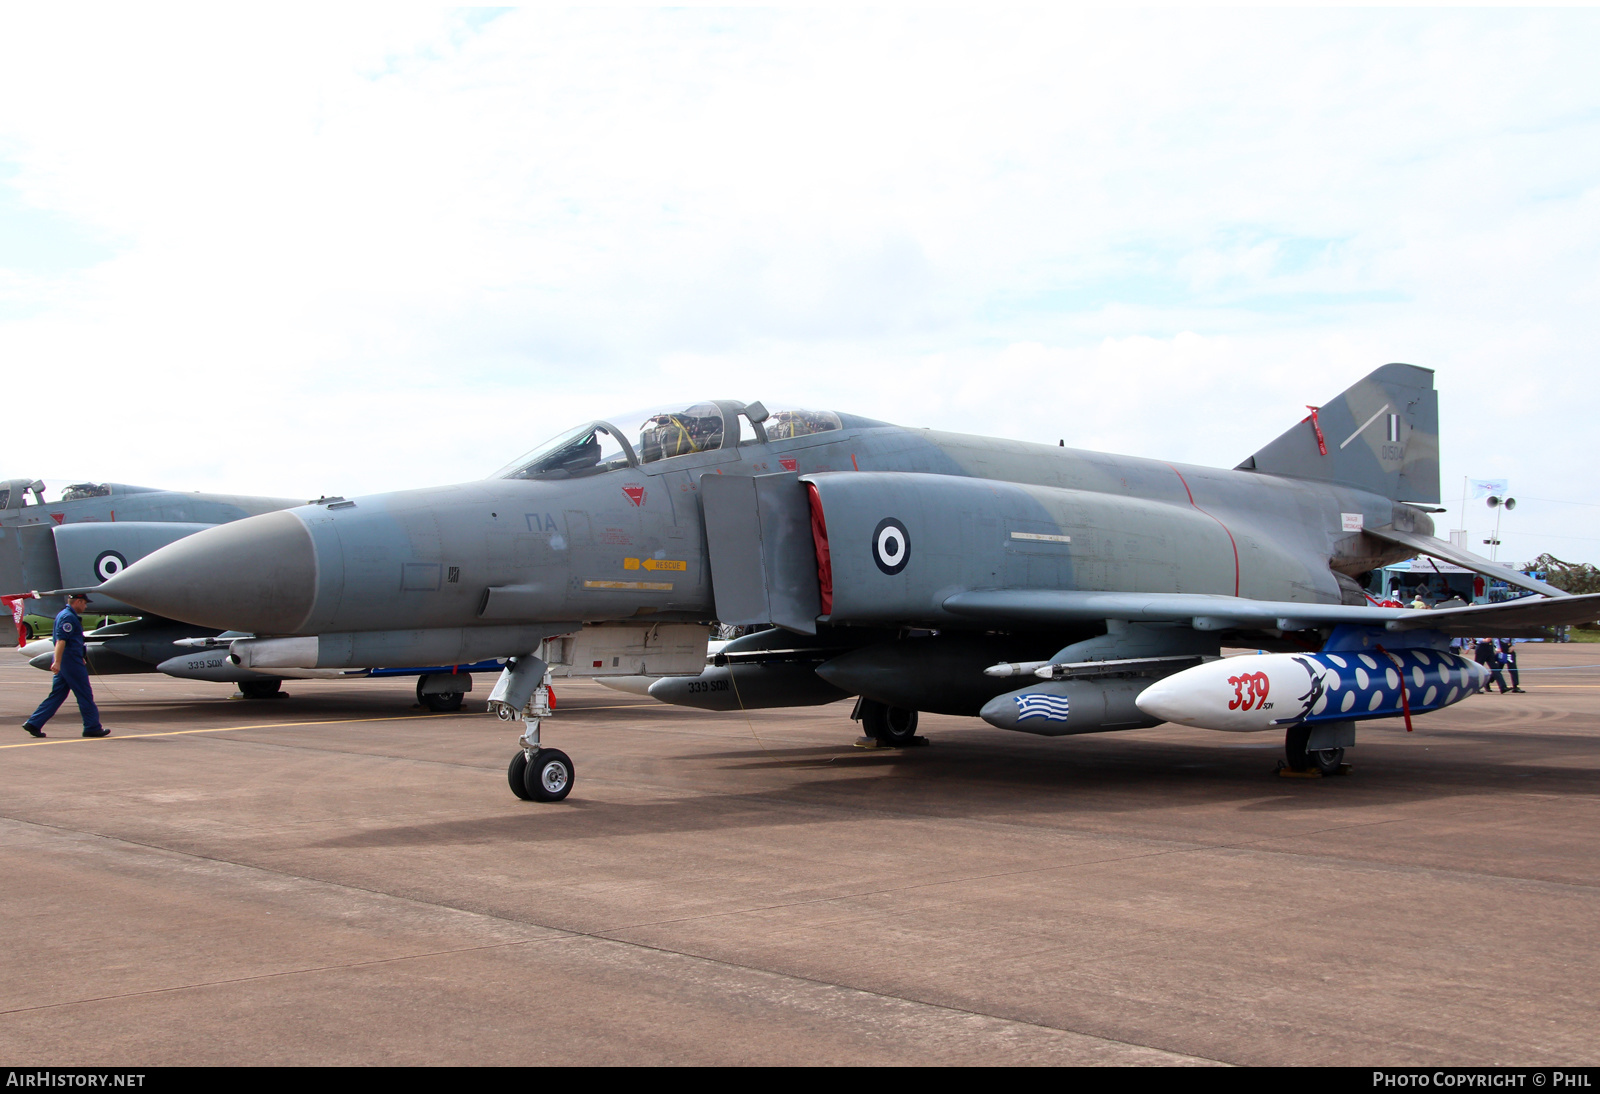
(1460, 556)
(1510, 619)
(1203, 611)
(1206, 612)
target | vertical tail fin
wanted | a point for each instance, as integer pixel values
(1381, 434)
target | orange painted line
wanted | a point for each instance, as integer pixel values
(292, 725)
(224, 729)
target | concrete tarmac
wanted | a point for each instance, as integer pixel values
(339, 878)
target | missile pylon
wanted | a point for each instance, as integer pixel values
(1286, 689)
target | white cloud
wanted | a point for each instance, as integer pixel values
(362, 249)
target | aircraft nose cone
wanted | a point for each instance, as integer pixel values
(257, 574)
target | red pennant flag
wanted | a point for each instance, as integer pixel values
(17, 612)
(1322, 445)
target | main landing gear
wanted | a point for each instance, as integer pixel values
(1308, 758)
(536, 774)
(886, 726)
(440, 702)
(260, 689)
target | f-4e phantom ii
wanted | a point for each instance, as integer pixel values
(1045, 589)
(95, 530)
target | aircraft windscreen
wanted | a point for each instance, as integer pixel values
(587, 450)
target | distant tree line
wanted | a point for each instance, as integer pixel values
(1574, 577)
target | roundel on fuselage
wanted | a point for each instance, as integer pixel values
(891, 546)
(108, 565)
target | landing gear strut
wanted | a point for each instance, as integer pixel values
(536, 773)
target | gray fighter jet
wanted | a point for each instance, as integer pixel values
(1045, 589)
(93, 531)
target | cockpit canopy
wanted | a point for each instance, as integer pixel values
(14, 493)
(646, 436)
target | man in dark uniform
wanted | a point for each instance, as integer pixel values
(1488, 656)
(71, 669)
(1508, 659)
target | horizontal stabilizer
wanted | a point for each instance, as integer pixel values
(1460, 556)
(1210, 612)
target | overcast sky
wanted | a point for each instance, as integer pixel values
(350, 250)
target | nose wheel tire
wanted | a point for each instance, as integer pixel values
(547, 778)
(517, 775)
(259, 689)
(893, 726)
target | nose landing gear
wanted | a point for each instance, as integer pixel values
(536, 773)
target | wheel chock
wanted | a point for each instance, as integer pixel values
(1287, 772)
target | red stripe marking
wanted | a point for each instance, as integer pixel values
(1405, 701)
(853, 461)
(1224, 527)
(819, 537)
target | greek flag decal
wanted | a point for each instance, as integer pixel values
(1052, 708)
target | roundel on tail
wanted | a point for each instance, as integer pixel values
(108, 565)
(891, 546)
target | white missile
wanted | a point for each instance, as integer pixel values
(1014, 668)
(1282, 689)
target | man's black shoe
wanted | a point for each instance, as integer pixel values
(98, 731)
(33, 730)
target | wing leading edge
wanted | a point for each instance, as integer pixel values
(1208, 612)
